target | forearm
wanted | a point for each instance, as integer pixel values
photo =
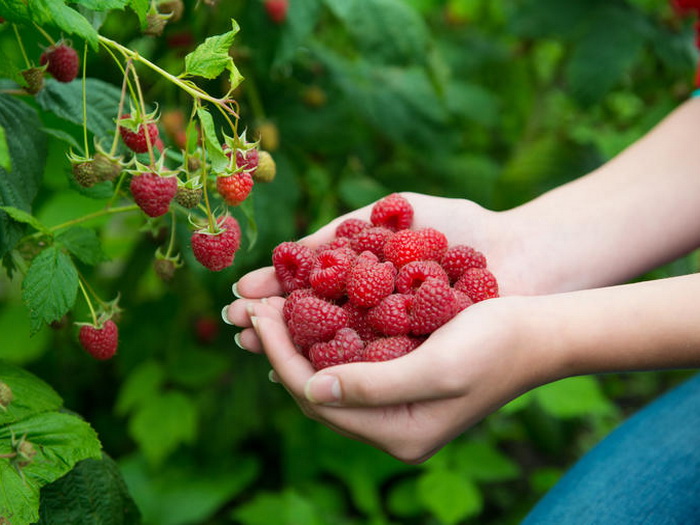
(638, 211)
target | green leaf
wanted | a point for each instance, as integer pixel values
(27, 147)
(50, 287)
(70, 21)
(93, 493)
(140, 7)
(162, 423)
(143, 383)
(211, 58)
(25, 218)
(297, 29)
(248, 210)
(217, 157)
(102, 5)
(16, 347)
(83, 243)
(30, 395)
(5, 159)
(285, 508)
(482, 461)
(573, 397)
(16, 11)
(450, 496)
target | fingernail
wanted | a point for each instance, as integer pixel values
(234, 290)
(323, 389)
(254, 322)
(250, 308)
(272, 376)
(237, 340)
(224, 315)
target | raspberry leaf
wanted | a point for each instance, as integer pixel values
(83, 243)
(211, 58)
(218, 158)
(25, 218)
(5, 159)
(50, 287)
(450, 495)
(248, 210)
(67, 19)
(31, 395)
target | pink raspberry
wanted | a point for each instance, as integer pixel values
(330, 272)
(436, 243)
(405, 246)
(372, 239)
(392, 315)
(339, 242)
(393, 212)
(432, 306)
(412, 275)
(345, 347)
(293, 263)
(461, 301)
(367, 257)
(387, 348)
(459, 258)
(478, 283)
(357, 320)
(291, 300)
(351, 227)
(314, 320)
(369, 283)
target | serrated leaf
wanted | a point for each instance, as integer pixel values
(140, 7)
(248, 209)
(211, 58)
(70, 21)
(25, 218)
(102, 5)
(50, 287)
(30, 395)
(83, 243)
(5, 159)
(93, 493)
(217, 157)
(450, 496)
(63, 136)
(16, 11)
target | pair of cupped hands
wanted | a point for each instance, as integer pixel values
(412, 406)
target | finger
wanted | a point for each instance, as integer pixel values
(248, 340)
(237, 313)
(257, 284)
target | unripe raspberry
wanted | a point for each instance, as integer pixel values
(6, 395)
(266, 170)
(34, 77)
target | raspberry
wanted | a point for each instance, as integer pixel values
(369, 283)
(136, 140)
(340, 242)
(266, 170)
(391, 315)
(405, 246)
(293, 263)
(153, 193)
(478, 283)
(351, 227)
(330, 272)
(63, 62)
(277, 10)
(357, 320)
(345, 347)
(230, 228)
(460, 257)
(393, 212)
(84, 173)
(315, 320)
(432, 306)
(388, 348)
(247, 160)
(106, 166)
(34, 78)
(371, 239)
(215, 251)
(435, 241)
(6, 395)
(234, 188)
(188, 197)
(412, 275)
(291, 300)
(100, 341)
(461, 301)
(366, 257)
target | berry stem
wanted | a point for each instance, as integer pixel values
(120, 108)
(21, 46)
(210, 217)
(85, 131)
(46, 35)
(90, 216)
(87, 300)
(143, 125)
(171, 242)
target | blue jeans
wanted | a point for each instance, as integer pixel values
(646, 472)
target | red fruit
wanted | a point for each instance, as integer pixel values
(432, 306)
(435, 241)
(247, 160)
(63, 62)
(459, 258)
(232, 229)
(351, 227)
(136, 140)
(372, 240)
(412, 275)
(405, 246)
(314, 320)
(330, 272)
(214, 251)
(153, 193)
(392, 315)
(369, 283)
(393, 212)
(345, 347)
(357, 320)
(206, 330)
(235, 187)
(340, 242)
(478, 283)
(292, 299)
(461, 301)
(277, 10)
(293, 263)
(388, 348)
(100, 342)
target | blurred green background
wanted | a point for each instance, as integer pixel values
(491, 101)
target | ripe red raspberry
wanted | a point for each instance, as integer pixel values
(432, 306)
(315, 320)
(330, 272)
(372, 240)
(393, 212)
(100, 341)
(405, 246)
(63, 62)
(340, 242)
(412, 275)
(232, 229)
(345, 347)
(369, 283)
(247, 160)
(293, 263)
(435, 241)
(136, 140)
(153, 193)
(234, 188)
(367, 257)
(387, 348)
(277, 10)
(291, 300)
(215, 251)
(461, 301)
(460, 257)
(357, 320)
(478, 283)
(351, 227)
(392, 315)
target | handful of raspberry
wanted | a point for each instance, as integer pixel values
(379, 289)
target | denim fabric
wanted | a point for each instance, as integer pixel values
(646, 472)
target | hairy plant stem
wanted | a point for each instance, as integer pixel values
(87, 300)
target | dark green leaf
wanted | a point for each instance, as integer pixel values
(299, 25)
(16, 11)
(102, 5)
(285, 508)
(30, 395)
(83, 243)
(216, 155)
(25, 218)
(248, 210)
(67, 19)
(5, 159)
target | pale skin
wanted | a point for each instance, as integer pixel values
(559, 260)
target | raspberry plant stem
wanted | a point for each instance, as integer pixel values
(21, 46)
(85, 131)
(46, 35)
(87, 300)
(142, 106)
